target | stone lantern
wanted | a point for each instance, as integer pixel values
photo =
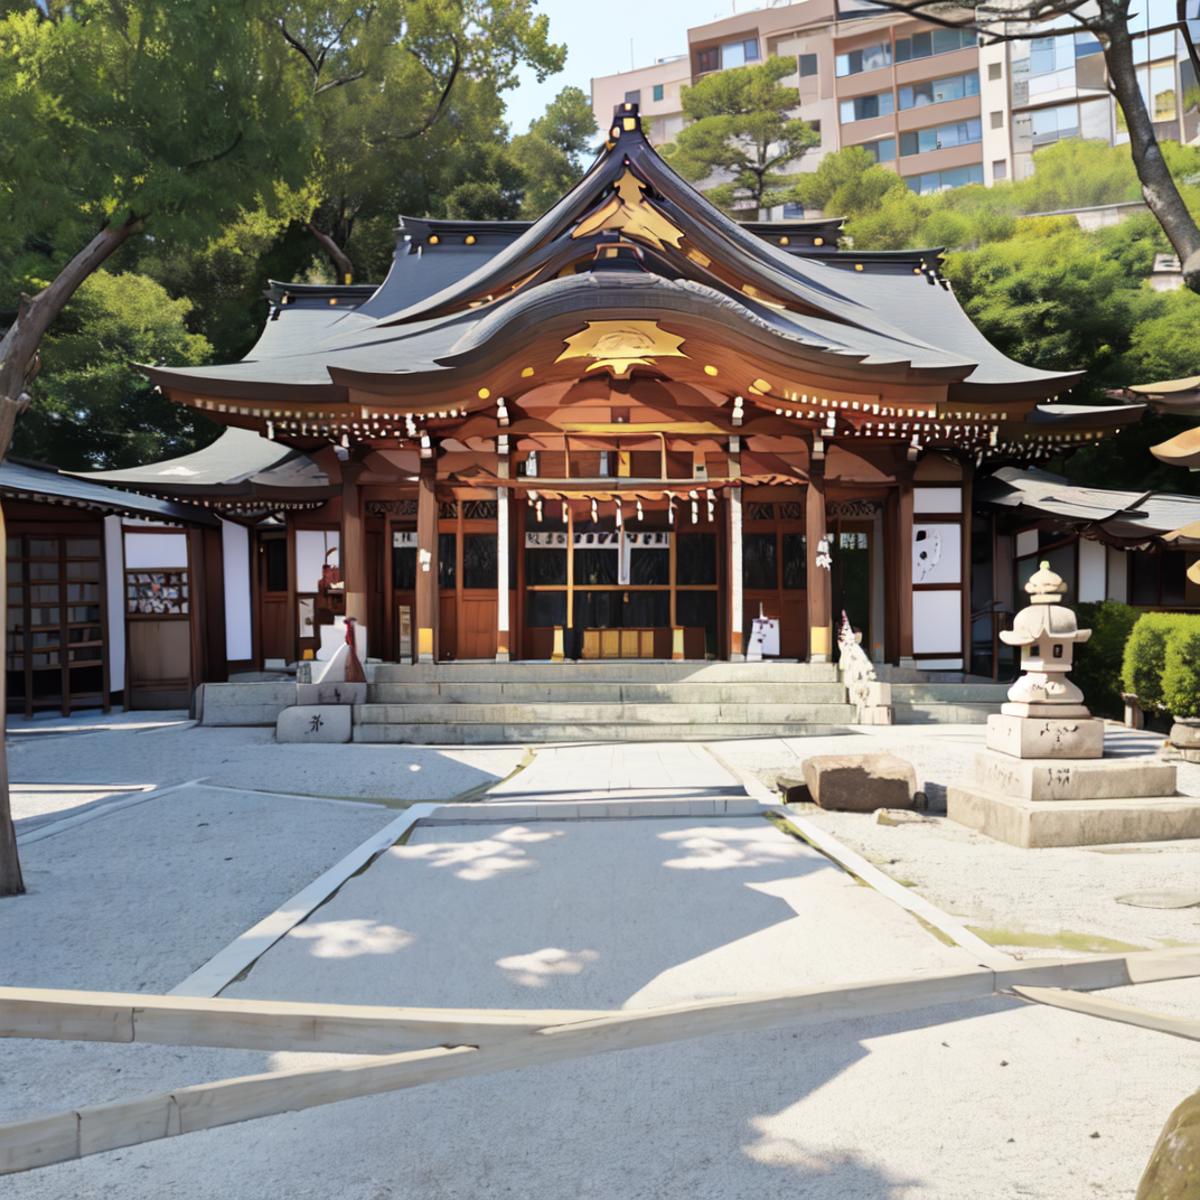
(1045, 716)
(1043, 779)
(1047, 632)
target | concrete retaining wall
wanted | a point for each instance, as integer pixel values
(243, 703)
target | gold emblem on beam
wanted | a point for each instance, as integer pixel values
(628, 211)
(622, 345)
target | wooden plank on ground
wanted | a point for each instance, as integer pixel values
(1112, 1010)
(28, 1144)
(262, 1024)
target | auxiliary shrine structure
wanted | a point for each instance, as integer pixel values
(633, 428)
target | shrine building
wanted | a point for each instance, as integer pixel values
(633, 428)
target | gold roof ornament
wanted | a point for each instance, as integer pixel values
(628, 211)
(622, 345)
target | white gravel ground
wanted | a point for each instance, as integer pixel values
(996, 1099)
(251, 759)
(989, 883)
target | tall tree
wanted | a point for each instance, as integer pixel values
(165, 115)
(741, 127)
(1109, 22)
(552, 154)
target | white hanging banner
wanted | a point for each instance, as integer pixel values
(404, 539)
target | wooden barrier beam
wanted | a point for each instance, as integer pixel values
(64, 1136)
(261, 1024)
(1111, 1010)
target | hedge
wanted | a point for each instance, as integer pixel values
(1097, 665)
(1161, 664)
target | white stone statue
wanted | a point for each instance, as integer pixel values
(1047, 632)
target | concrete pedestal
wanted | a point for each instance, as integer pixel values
(1045, 737)
(315, 723)
(1050, 802)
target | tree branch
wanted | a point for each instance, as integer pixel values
(338, 256)
(443, 99)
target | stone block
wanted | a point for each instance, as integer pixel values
(1086, 779)
(792, 788)
(331, 693)
(1041, 737)
(316, 723)
(1033, 823)
(860, 782)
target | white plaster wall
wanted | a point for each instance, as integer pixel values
(1093, 571)
(937, 622)
(1027, 543)
(937, 500)
(235, 554)
(993, 97)
(1118, 575)
(152, 550)
(114, 588)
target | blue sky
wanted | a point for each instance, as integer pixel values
(597, 36)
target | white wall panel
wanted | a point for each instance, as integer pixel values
(1118, 575)
(149, 550)
(937, 500)
(1027, 542)
(937, 622)
(235, 553)
(1093, 571)
(314, 548)
(937, 554)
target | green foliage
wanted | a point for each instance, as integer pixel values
(93, 407)
(1097, 666)
(551, 155)
(1145, 656)
(740, 126)
(1181, 668)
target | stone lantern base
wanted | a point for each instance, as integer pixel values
(1030, 800)
(1045, 737)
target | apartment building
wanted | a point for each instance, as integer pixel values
(927, 102)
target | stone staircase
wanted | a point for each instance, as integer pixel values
(449, 703)
(599, 701)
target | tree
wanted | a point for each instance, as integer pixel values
(176, 117)
(740, 126)
(94, 408)
(551, 155)
(1109, 22)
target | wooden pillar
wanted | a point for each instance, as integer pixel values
(734, 590)
(820, 580)
(353, 546)
(427, 562)
(904, 582)
(569, 631)
(502, 550)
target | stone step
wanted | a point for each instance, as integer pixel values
(614, 670)
(943, 713)
(459, 734)
(949, 693)
(602, 714)
(611, 691)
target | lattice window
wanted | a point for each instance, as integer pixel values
(156, 593)
(479, 510)
(760, 512)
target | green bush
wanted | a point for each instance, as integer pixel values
(1145, 657)
(1097, 666)
(1181, 670)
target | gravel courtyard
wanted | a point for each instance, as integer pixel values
(996, 1098)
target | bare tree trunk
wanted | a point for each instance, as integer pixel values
(1161, 195)
(341, 262)
(18, 357)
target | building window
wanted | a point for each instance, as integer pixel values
(634, 97)
(941, 137)
(658, 91)
(793, 211)
(863, 108)
(1000, 169)
(1044, 126)
(708, 59)
(738, 54)
(1158, 579)
(998, 120)
(938, 41)
(883, 150)
(995, 71)
(940, 181)
(808, 65)
(866, 58)
(939, 91)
